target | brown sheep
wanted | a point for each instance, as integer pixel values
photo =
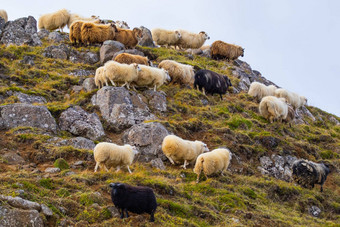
(126, 58)
(75, 31)
(220, 49)
(127, 37)
(97, 33)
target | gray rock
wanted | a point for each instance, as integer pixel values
(114, 211)
(60, 51)
(156, 99)
(69, 173)
(43, 33)
(77, 88)
(46, 211)
(129, 51)
(28, 60)
(157, 163)
(334, 120)
(2, 24)
(80, 123)
(13, 159)
(21, 31)
(17, 217)
(77, 142)
(52, 170)
(314, 211)
(147, 37)
(90, 58)
(303, 111)
(266, 162)
(30, 99)
(148, 138)
(21, 203)
(55, 37)
(117, 108)
(82, 72)
(277, 166)
(20, 114)
(89, 84)
(108, 49)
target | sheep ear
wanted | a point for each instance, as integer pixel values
(112, 185)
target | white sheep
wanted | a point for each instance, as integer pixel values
(292, 98)
(212, 162)
(164, 37)
(178, 72)
(260, 90)
(113, 155)
(75, 17)
(117, 72)
(3, 14)
(178, 150)
(192, 40)
(100, 78)
(273, 108)
(151, 77)
(52, 21)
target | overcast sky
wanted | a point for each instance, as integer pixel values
(295, 44)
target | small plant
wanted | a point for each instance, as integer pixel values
(61, 164)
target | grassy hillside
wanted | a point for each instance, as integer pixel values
(243, 197)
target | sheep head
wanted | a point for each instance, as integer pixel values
(304, 100)
(205, 35)
(178, 34)
(138, 69)
(205, 148)
(227, 80)
(138, 33)
(116, 187)
(134, 150)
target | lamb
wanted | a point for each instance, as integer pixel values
(100, 78)
(75, 31)
(191, 40)
(307, 173)
(3, 14)
(134, 199)
(212, 162)
(181, 73)
(75, 17)
(113, 155)
(97, 33)
(129, 38)
(164, 37)
(127, 58)
(117, 72)
(260, 90)
(220, 49)
(178, 150)
(122, 24)
(52, 21)
(292, 98)
(273, 108)
(150, 76)
(211, 82)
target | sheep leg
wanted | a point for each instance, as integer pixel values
(129, 169)
(152, 217)
(122, 213)
(155, 88)
(127, 214)
(118, 168)
(96, 167)
(203, 90)
(198, 177)
(134, 88)
(172, 161)
(113, 83)
(222, 173)
(106, 83)
(185, 164)
(106, 168)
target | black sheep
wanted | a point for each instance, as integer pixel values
(307, 173)
(134, 199)
(211, 82)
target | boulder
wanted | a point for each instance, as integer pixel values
(89, 84)
(60, 51)
(43, 33)
(12, 158)
(314, 211)
(148, 138)
(2, 24)
(21, 31)
(28, 60)
(277, 166)
(55, 37)
(108, 49)
(156, 100)
(30, 99)
(77, 142)
(21, 114)
(147, 38)
(21, 203)
(52, 170)
(18, 217)
(80, 123)
(158, 164)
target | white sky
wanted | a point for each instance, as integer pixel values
(294, 43)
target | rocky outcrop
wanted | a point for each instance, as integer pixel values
(156, 100)
(147, 38)
(18, 217)
(108, 49)
(25, 98)
(15, 115)
(89, 84)
(21, 31)
(80, 123)
(77, 142)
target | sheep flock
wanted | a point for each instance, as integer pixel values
(137, 72)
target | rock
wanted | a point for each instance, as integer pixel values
(148, 138)
(2, 24)
(13, 159)
(89, 84)
(277, 166)
(157, 163)
(147, 37)
(76, 89)
(108, 49)
(43, 33)
(266, 162)
(80, 123)
(46, 211)
(55, 37)
(17, 217)
(52, 170)
(303, 111)
(77, 142)
(28, 60)
(334, 120)
(314, 211)
(18, 114)
(269, 141)
(129, 51)
(82, 72)
(21, 203)
(117, 108)
(60, 51)
(114, 211)
(21, 31)
(90, 58)
(157, 100)
(30, 99)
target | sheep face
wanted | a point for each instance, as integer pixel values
(242, 52)
(138, 69)
(205, 148)
(178, 34)
(304, 100)
(138, 33)
(168, 78)
(227, 80)
(116, 188)
(134, 150)
(205, 35)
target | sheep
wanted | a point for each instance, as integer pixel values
(127, 58)
(211, 82)
(260, 90)
(129, 38)
(97, 33)
(292, 98)
(100, 78)
(191, 40)
(273, 108)
(178, 150)
(122, 24)
(134, 199)
(75, 31)
(290, 116)
(212, 162)
(117, 72)
(150, 76)
(75, 17)
(220, 49)
(52, 21)
(164, 37)
(181, 73)
(113, 155)
(307, 173)
(3, 14)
